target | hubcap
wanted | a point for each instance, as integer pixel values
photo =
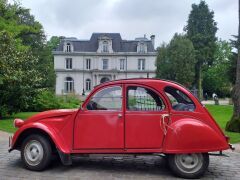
(189, 163)
(33, 152)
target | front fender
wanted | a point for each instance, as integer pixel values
(191, 135)
(55, 137)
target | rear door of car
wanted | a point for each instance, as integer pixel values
(145, 115)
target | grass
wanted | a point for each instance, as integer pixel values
(221, 114)
(6, 124)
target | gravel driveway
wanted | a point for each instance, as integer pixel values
(113, 167)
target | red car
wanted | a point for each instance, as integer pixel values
(137, 116)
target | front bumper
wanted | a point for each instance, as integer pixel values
(10, 144)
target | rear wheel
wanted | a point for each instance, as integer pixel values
(189, 165)
(36, 152)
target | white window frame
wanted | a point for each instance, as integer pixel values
(68, 63)
(88, 64)
(141, 64)
(122, 64)
(142, 48)
(88, 84)
(105, 66)
(68, 47)
(105, 46)
(69, 85)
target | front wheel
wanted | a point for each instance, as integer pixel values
(36, 152)
(189, 165)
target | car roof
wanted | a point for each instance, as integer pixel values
(141, 81)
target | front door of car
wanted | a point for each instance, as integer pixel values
(100, 123)
(145, 116)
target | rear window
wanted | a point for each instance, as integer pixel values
(179, 100)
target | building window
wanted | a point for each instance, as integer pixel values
(69, 85)
(88, 85)
(141, 64)
(105, 64)
(105, 46)
(68, 63)
(141, 48)
(122, 64)
(88, 63)
(68, 49)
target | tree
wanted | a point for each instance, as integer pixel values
(176, 60)
(234, 123)
(25, 55)
(19, 81)
(216, 78)
(201, 30)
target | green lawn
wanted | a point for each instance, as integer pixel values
(221, 114)
(7, 123)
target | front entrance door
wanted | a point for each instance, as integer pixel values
(100, 125)
(104, 79)
(143, 118)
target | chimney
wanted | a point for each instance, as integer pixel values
(153, 40)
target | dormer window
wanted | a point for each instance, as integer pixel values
(141, 48)
(105, 46)
(68, 47)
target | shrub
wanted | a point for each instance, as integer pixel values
(47, 100)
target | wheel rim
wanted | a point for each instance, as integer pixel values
(189, 163)
(33, 152)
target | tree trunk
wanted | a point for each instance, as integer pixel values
(199, 81)
(234, 124)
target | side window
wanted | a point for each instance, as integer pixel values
(143, 99)
(106, 99)
(179, 100)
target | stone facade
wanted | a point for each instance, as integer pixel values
(82, 64)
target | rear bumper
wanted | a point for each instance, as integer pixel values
(231, 147)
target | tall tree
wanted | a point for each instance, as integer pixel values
(234, 123)
(26, 62)
(216, 78)
(201, 30)
(19, 81)
(176, 60)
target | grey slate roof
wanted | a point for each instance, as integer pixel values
(118, 44)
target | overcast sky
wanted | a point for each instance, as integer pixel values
(131, 18)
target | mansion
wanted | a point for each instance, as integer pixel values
(82, 64)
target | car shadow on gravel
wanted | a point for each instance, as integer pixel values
(152, 165)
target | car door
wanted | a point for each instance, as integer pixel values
(145, 113)
(100, 124)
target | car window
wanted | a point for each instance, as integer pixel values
(143, 99)
(179, 100)
(109, 98)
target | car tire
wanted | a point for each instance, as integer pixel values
(36, 152)
(188, 165)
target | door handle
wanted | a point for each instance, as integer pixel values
(163, 124)
(119, 116)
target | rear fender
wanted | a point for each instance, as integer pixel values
(191, 135)
(55, 137)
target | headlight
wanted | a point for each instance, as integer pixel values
(17, 123)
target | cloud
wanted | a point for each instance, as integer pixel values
(132, 18)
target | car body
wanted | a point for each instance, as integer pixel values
(137, 116)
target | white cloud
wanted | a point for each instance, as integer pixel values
(131, 18)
